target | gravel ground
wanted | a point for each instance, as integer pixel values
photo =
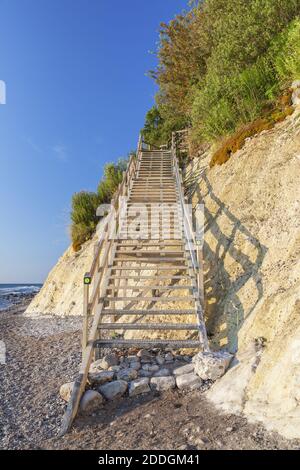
(43, 353)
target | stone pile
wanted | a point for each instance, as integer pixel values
(115, 375)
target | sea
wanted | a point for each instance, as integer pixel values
(12, 294)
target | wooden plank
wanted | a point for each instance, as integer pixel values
(148, 326)
(138, 343)
(155, 287)
(138, 298)
(154, 268)
(155, 277)
(137, 313)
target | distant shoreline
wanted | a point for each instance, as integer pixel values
(16, 297)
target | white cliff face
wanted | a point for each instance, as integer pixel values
(252, 275)
(62, 293)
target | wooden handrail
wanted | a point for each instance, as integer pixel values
(187, 221)
(98, 272)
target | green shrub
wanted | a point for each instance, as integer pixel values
(222, 63)
(159, 126)
(225, 103)
(83, 216)
(287, 60)
(85, 204)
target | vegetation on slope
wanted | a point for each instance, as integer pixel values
(221, 65)
(85, 203)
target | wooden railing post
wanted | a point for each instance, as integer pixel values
(85, 326)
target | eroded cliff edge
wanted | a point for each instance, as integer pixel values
(252, 273)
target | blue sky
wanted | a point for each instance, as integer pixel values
(77, 95)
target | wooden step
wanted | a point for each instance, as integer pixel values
(154, 278)
(142, 288)
(132, 244)
(186, 298)
(145, 268)
(139, 343)
(152, 260)
(120, 313)
(149, 253)
(148, 326)
(142, 251)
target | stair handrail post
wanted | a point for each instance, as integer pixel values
(85, 326)
(99, 265)
(187, 222)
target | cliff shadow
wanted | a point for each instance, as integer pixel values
(228, 245)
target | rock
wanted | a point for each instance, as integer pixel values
(162, 383)
(211, 365)
(169, 357)
(188, 381)
(145, 355)
(150, 367)
(133, 359)
(127, 374)
(139, 386)
(160, 360)
(296, 97)
(295, 84)
(96, 366)
(65, 390)
(162, 373)
(135, 365)
(144, 373)
(186, 369)
(187, 358)
(101, 378)
(90, 401)
(109, 360)
(114, 389)
(115, 368)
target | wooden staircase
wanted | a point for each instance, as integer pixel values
(147, 266)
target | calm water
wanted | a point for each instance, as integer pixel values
(10, 293)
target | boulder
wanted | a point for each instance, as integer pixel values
(162, 383)
(127, 374)
(135, 365)
(139, 386)
(186, 369)
(90, 401)
(109, 360)
(145, 355)
(65, 390)
(160, 359)
(144, 373)
(100, 378)
(132, 359)
(96, 366)
(296, 93)
(113, 390)
(150, 367)
(162, 373)
(211, 365)
(189, 381)
(169, 357)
